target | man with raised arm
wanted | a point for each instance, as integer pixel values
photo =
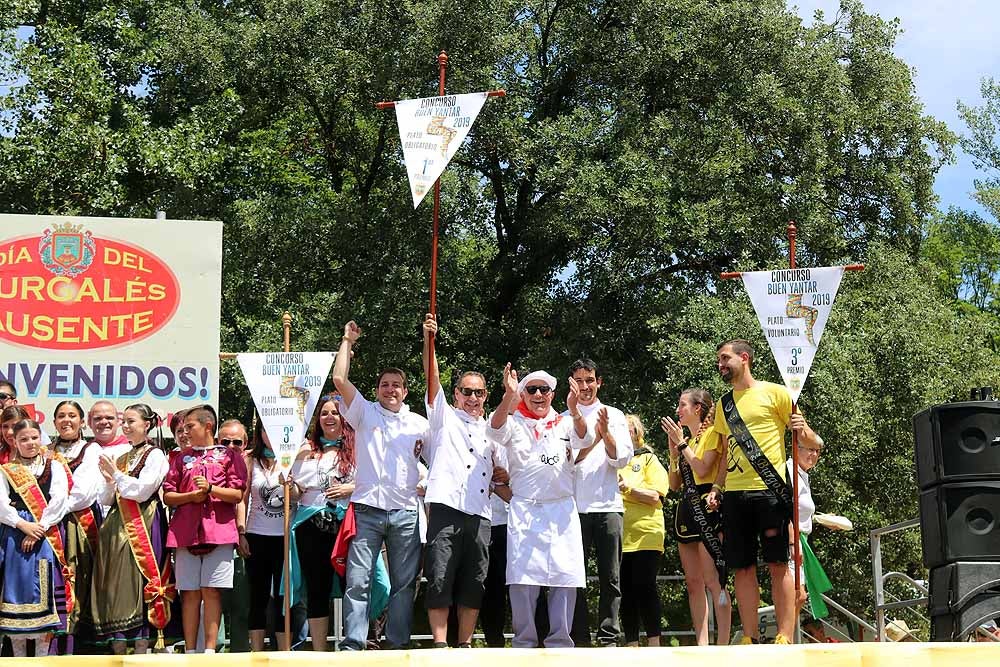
(544, 545)
(756, 504)
(600, 504)
(389, 440)
(459, 488)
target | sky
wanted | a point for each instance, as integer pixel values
(951, 46)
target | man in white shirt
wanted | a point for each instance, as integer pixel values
(600, 505)
(104, 421)
(389, 440)
(459, 488)
(544, 547)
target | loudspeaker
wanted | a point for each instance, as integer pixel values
(952, 586)
(957, 442)
(956, 624)
(960, 522)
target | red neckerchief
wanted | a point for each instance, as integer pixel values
(528, 414)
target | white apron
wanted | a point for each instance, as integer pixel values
(544, 543)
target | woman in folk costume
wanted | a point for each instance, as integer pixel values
(83, 514)
(131, 594)
(33, 500)
(8, 417)
(544, 543)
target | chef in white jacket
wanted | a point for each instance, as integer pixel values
(544, 545)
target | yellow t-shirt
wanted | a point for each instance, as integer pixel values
(766, 408)
(708, 441)
(643, 524)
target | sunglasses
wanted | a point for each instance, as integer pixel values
(5, 396)
(230, 442)
(538, 389)
(469, 391)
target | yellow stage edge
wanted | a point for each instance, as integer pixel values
(865, 654)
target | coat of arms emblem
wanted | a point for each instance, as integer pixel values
(67, 249)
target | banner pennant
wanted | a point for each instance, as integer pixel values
(285, 386)
(793, 306)
(431, 129)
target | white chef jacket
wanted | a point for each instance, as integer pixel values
(388, 445)
(597, 475)
(544, 543)
(54, 511)
(460, 458)
(88, 482)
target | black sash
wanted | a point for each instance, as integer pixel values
(699, 512)
(752, 451)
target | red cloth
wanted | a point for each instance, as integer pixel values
(348, 529)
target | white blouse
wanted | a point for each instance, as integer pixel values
(87, 479)
(58, 501)
(140, 488)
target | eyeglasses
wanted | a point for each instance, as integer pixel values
(538, 389)
(469, 391)
(809, 450)
(5, 396)
(230, 442)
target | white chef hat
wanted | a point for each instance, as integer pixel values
(537, 375)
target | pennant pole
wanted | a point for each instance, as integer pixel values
(286, 325)
(796, 544)
(442, 60)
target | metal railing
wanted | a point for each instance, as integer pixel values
(880, 578)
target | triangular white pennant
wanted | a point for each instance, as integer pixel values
(285, 387)
(431, 129)
(793, 306)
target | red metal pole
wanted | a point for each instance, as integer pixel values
(796, 544)
(442, 66)
(442, 60)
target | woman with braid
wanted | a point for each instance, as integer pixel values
(694, 461)
(131, 558)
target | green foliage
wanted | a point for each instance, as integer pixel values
(643, 148)
(965, 249)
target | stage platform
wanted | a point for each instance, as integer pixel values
(868, 654)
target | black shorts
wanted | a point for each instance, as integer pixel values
(685, 529)
(747, 517)
(457, 557)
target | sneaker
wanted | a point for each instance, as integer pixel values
(781, 639)
(747, 641)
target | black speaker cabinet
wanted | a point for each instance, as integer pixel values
(952, 586)
(955, 625)
(957, 442)
(960, 521)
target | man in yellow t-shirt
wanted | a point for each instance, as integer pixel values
(753, 517)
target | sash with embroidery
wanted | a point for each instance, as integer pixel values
(158, 592)
(85, 517)
(753, 453)
(25, 485)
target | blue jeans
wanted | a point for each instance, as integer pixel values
(398, 530)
